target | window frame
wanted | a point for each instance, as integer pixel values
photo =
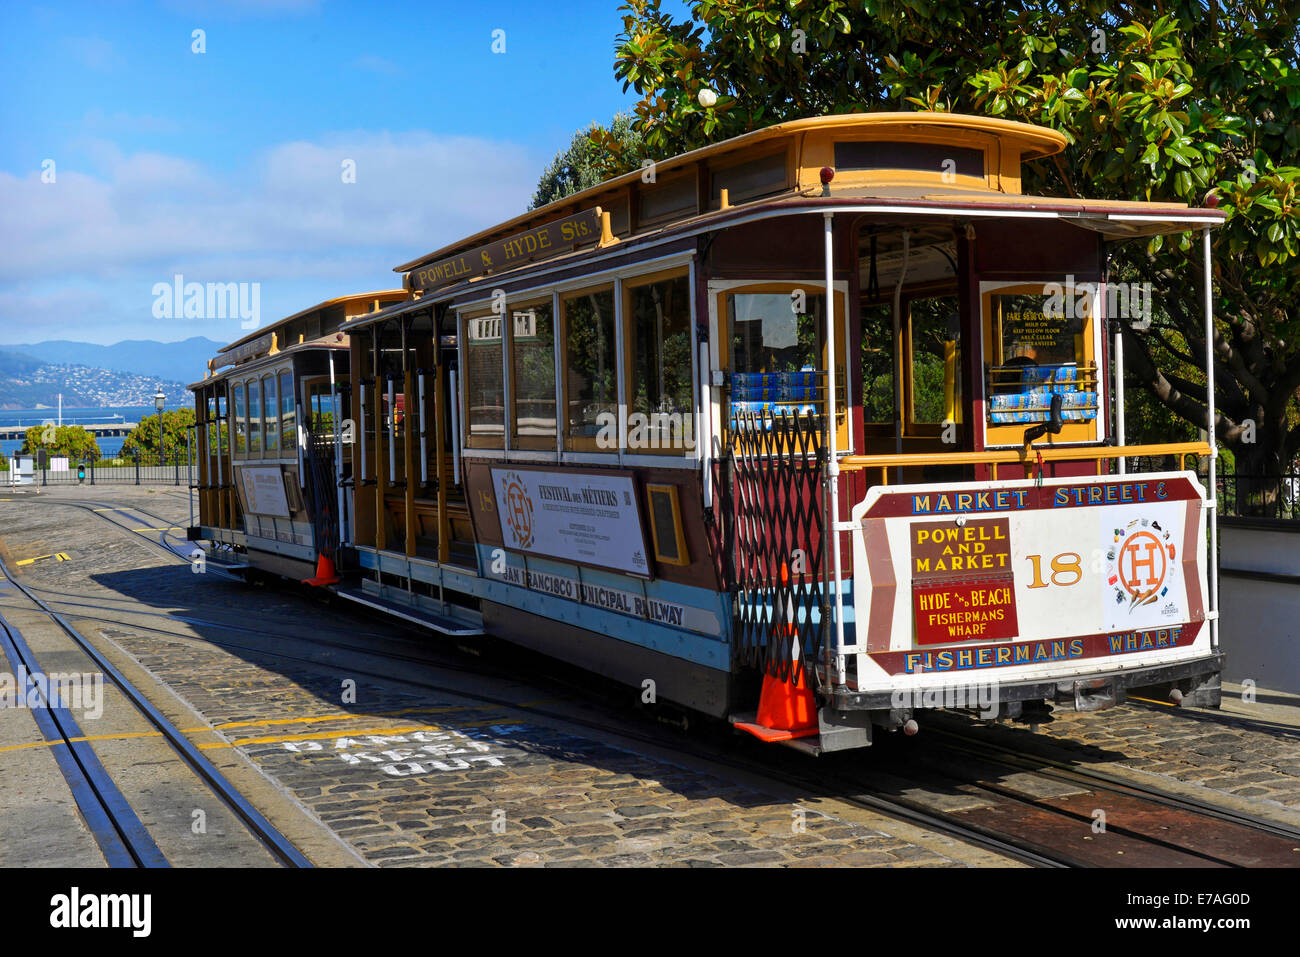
(471, 439)
(629, 285)
(267, 451)
(249, 383)
(583, 443)
(1011, 435)
(720, 334)
(911, 427)
(239, 415)
(530, 442)
(291, 395)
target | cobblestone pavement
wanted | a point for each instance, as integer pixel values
(432, 777)
(425, 777)
(1237, 750)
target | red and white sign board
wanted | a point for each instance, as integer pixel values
(1030, 579)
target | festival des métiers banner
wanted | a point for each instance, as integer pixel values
(1083, 572)
(592, 519)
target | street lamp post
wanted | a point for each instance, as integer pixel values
(159, 400)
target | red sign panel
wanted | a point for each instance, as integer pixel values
(964, 611)
(963, 587)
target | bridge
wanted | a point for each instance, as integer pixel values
(12, 432)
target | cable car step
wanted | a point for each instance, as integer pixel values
(460, 622)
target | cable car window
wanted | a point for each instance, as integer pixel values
(212, 424)
(591, 366)
(1040, 341)
(288, 412)
(241, 423)
(532, 385)
(660, 378)
(484, 382)
(777, 353)
(254, 418)
(271, 436)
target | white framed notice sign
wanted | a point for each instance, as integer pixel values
(591, 519)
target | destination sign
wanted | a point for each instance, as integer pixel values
(543, 242)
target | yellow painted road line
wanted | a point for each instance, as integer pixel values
(62, 556)
(93, 737)
(279, 739)
(28, 561)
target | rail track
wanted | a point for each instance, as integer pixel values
(1044, 818)
(117, 828)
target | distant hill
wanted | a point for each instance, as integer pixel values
(183, 361)
(27, 383)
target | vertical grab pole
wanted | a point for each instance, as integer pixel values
(392, 433)
(1120, 438)
(338, 451)
(362, 383)
(455, 428)
(898, 353)
(832, 458)
(424, 445)
(1213, 491)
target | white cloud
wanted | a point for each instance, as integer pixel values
(287, 220)
(413, 193)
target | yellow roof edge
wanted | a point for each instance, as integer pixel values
(325, 304)
(1041, 141)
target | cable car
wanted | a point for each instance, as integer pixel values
(817, 430)
(269, 493)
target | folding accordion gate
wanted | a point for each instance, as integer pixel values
(774, 541)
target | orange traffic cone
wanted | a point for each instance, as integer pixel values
(325, 574)
(786, 709)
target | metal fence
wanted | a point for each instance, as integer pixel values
(178, 470)
(1274, 497)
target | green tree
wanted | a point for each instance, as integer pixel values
(144, 437)
(1160, 101)
(595, 154)
(71, 441)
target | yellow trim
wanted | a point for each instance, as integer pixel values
(683, 557)
(996, 457)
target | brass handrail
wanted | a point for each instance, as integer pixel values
(995, 457)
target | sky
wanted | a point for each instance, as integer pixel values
(133, 150)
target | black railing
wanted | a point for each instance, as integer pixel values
(175, 469)
(1275, 497)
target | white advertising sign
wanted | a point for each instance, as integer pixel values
(264, 491)
(590, 519)
(1014, 573)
